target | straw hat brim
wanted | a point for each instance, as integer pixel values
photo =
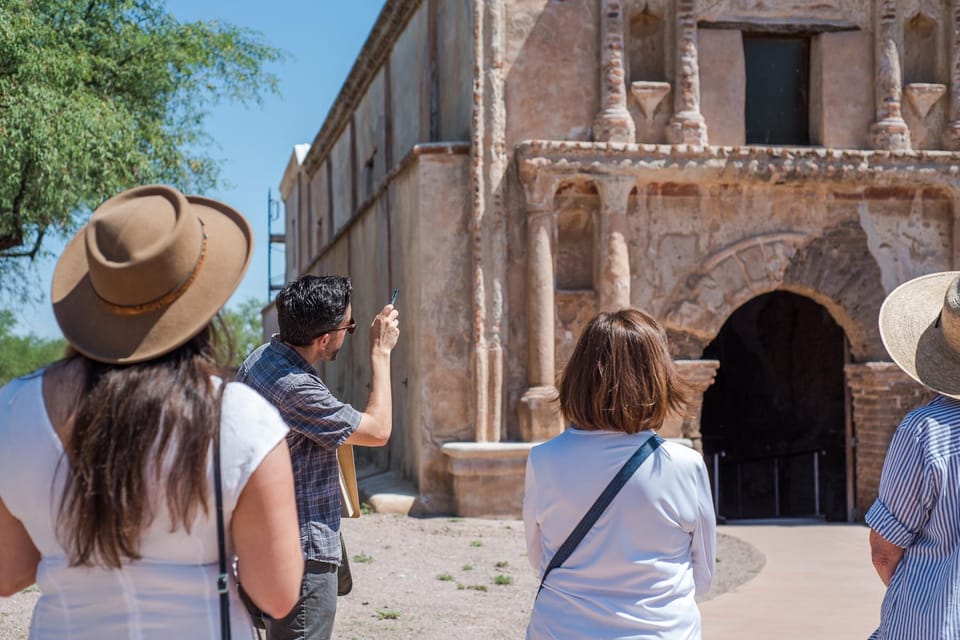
(98, 332)
(910, 333)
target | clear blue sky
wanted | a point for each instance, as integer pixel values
(322, 39)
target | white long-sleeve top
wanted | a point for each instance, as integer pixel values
(636, 572)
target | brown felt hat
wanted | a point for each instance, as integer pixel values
(920, 328)
(148, 272)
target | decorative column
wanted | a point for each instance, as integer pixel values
(889, 131)
(952, 134)
(614, 278)
(699, 375)
(687, 125)
(881, 395)
(539, 411)
(614, 123)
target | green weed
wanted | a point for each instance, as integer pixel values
(388, 614)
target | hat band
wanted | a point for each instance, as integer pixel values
(165, 300)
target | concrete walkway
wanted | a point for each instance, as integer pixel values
(817, 583)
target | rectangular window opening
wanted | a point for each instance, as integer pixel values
(777, 101)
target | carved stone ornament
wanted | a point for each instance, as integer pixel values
(930, 8)
(854, 12)
(649, 95)
(923, 95)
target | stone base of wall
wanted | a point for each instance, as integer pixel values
(487, 477)
(881, 395)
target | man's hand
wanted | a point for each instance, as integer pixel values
(376, 421)
(384, 331)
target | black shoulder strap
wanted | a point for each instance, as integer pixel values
(601, 504)
(222, 587)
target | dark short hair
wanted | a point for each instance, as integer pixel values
(310, 306)
(621, 376)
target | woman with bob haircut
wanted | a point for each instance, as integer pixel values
(109, 458)
(637, 570)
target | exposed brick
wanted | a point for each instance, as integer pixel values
(881, 394)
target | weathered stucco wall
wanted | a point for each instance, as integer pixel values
(323, 214)
(412, 238)
(846, 109)
(552, 70)
(552, 91)
(404, 197)
(342, 181)
(410, 84)
(723, 82)
(370, 126)
(292, 217)
(444, 308)
(455, 68)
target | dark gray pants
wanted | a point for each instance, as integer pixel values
(312, 616)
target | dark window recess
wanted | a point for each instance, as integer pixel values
(778, 89)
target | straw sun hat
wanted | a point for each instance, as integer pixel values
(149, 270)
(920, 328)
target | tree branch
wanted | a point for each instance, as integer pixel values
(15, 237)
(9, 241)
(89, 12)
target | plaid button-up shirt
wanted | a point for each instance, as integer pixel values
(319, 423)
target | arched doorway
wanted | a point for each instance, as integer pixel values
(773, 423)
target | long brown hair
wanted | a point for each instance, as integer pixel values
(138, 428)
(620, 376)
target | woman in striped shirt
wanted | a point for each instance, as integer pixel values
(915, 522)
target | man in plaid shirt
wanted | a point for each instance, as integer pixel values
(314, 315)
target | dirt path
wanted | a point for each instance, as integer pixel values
(433, 578)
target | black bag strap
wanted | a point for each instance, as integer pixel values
(590, 518)
(222, 580)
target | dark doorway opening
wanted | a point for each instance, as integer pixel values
(778, 89)
(773, 421)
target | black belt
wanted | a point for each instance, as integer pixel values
(318, 566)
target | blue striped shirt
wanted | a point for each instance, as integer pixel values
(319, 423)
(918, 509)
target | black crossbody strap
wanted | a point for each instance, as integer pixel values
(222, 584)
(586, 523)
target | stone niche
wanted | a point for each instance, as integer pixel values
(925, 77)
(646, 70)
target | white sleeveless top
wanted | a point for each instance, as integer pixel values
(171, 592)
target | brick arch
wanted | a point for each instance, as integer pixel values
(834, 269)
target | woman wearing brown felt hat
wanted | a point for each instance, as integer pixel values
(109, 458)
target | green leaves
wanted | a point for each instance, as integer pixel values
(20, 355)
(97, 97)
(245, 329)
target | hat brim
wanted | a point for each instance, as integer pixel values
(93, 329)
(911, 335)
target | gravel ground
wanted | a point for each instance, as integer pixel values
(433, 578)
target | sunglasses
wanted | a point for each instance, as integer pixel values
(350, 328)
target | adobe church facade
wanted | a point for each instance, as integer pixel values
(757, 174)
